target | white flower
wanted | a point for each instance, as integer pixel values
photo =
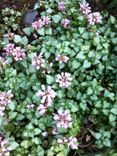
(64, 79)
(85, 8)
(38, 61)
(47, 94)
(63, 119)
(94, 18)
(61, 58)
(73, 143)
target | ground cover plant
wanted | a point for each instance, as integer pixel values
(58, 80)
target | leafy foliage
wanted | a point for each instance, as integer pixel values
(88, 95)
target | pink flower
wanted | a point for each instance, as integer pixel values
(65, 23)
(5, 99)
(9, 48)
(85, 8)
(47, 94)
(63, 119)
(42, 109)
(94, 18)
(38, 61)
(5, 147)
(46, 20)
(61, 6)
(64, 79)
(73, 143)
(37, 24)
(19, 54)
(61, 58)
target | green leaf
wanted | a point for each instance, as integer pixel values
(114, 111)
(17, 39)
(50, 153)
(11, 106)
(37, 131)
(50, 79)
(25, 143)
(98, 135)
(81, 29)
(49, 31)
(112, 117)
(56, 18)
(24, 40)
(74, 108)
(96, 40)
(107, 142)
(41, 31)
(86, 64)
(81, 55)
(75, 64)
(12, 115)
(14, 145)
(27, 31)
(31, 69)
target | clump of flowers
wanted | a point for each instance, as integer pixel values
(42, 108)
(17, 53)
(85, 8)
(61, 6)
(64, 79)
(61, 58)
(4, 147)
(9, 49)
(47, 94)
(65, 23)
(94, 18)
(71, 142)
(5, 99)
(63, 119)
(37, 24)
(72, 65)
(38, 61)
(44, 21)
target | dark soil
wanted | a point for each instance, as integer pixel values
(17, 4)
(99, 5)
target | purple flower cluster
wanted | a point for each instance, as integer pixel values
(65, 23)
(38, 61)
(63, 119)
(47, 95)
(61, 58)
(17, 53)
(71, 142)
(4, 147)
(5, 99)
(44, 21)
(94, 17)
(64, 79)
(61, 6)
